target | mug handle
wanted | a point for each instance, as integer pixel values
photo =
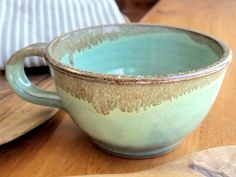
(19, 82)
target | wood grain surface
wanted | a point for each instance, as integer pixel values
(17, 116)
(60, 148)
(215, 162)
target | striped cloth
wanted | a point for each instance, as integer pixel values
(23, 22)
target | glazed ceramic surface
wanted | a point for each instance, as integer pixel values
(136, 90)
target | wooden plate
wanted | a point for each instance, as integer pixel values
(17, 116)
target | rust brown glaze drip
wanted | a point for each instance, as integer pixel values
(105, 96)
(106, 92)
(86, 38)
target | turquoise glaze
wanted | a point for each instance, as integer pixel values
(149, 132)
(135, 90)
(165, 52)
(20, 83)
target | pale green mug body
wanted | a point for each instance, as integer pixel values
(135, 90)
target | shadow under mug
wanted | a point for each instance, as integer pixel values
(135, 90)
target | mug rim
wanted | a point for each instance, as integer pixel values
(220, 64)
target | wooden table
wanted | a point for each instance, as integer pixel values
(60, 148)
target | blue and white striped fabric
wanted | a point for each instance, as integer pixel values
(23, 22)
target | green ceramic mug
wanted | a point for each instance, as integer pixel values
(135, 90)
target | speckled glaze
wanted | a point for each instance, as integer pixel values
(136, 90)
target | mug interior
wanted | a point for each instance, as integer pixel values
(136, 50)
